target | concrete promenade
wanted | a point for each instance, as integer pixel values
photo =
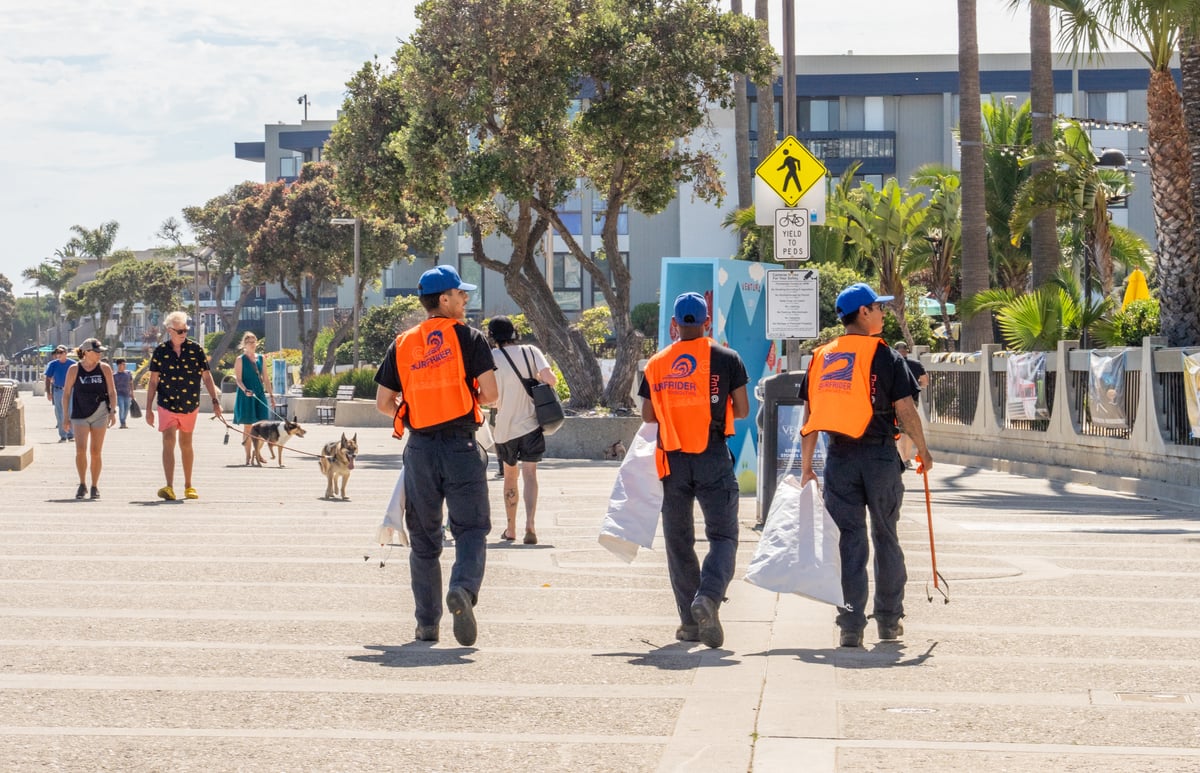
(245, 631)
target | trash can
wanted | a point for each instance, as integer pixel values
(780, 416)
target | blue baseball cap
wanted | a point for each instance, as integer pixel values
(690, 309)
(439, 279)
(856, 296)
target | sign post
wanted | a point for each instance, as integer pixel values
(793, 305)
(791, 235)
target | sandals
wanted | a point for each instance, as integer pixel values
(504, 535)
(530, 538)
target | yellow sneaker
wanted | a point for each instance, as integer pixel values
(167, 493)
(190, 493)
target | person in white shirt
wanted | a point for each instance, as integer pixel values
(520, 443)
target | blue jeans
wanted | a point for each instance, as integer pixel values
(447, 467)
(862, 479)
(59, 413)
(123, 407)
(706, 478)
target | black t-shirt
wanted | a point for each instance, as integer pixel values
(727, 372)
(917, 370)
(477, 360)
(891, 380)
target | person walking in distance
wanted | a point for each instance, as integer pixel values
(694, 390)
(178, 367)
(519, 437)
(89, 397)
(432, 382)
(56, 379)
(856, 389)
(250, 405)
(907, 447)
(123, 380)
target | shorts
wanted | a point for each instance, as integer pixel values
(99, 418)
(184, 422)
(530, 447)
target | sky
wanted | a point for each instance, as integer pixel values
(128, 110)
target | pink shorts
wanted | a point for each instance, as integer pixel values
(184, 422)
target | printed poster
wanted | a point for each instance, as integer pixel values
(1026, 392)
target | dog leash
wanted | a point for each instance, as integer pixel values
(229, 426)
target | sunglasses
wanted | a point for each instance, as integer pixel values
(180, 332)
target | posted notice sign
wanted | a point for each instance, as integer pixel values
(793, 308)
(791, 235)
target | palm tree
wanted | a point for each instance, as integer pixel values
(1079, 191)
(1007, 132)
(94, 243)
(1043, 247)
(1151, 28)
(978, 330)
(55, 275)
(942, 230)
(766, 91)
(1037, 321)
(885, 224)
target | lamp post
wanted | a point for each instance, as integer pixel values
(357, 223)
(1109, 159)
(37, 314)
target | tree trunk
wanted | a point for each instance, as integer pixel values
(741, 130)
(766, 91)
(1043, 232)
(527, 286)
(629, 341)
(978, 330)
(1189, 63)
(1170, 174)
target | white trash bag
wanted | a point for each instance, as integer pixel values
(798, 552)
(392, 530)
(636, 501)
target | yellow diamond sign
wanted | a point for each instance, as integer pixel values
(791, 169)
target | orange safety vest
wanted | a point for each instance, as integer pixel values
(839, 386)
(681, 393)
(432, 377)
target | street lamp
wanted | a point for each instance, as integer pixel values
(1111, 158)
(357, 223)
(37, 314)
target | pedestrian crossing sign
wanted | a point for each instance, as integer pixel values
(791, 169)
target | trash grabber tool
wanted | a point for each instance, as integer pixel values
(932, 553)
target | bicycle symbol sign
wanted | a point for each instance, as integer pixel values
(791, 235)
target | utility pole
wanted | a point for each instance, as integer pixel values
(303, 100)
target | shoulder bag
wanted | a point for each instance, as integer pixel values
(546, 407)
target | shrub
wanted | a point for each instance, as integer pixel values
(381, 324)
(320, 385)
(645, 318)
(1130, 325)
(363, 380)
(596, 325)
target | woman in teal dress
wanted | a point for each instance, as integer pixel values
(252, 394)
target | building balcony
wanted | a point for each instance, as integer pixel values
(839, 149)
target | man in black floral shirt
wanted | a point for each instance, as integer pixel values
(177, 369)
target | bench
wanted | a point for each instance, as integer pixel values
(327, 408)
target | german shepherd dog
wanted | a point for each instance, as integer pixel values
(337, 461)
(272, 434)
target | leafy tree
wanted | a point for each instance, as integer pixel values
(55, 275)
(94, 243)
(226, 245)
(295, 245)
(941, 231)
(381, 324)
(155, 283)
(8, 311)
(1152, 29)
(1008, 134)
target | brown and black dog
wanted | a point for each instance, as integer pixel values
(337, 461)
(273, 434)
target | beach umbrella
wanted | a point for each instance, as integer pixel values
(1136, 289)
(930, 307)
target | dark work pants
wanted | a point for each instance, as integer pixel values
(708, 478)
(447, 467)
(862, 479)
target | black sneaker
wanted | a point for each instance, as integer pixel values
(704, 611)
(95, 493)
(890, 631)
(851, 638)
(426, 633)
(458, 601)
(81, 492)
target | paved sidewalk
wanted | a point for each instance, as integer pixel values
(245, 631)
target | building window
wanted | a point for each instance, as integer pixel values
(1064, 104)
(568, 282)
(571, 210)
(472, 273)
(289, 166)
(823, 116)
(1107, 106)
(599, 207)
(598, 298)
